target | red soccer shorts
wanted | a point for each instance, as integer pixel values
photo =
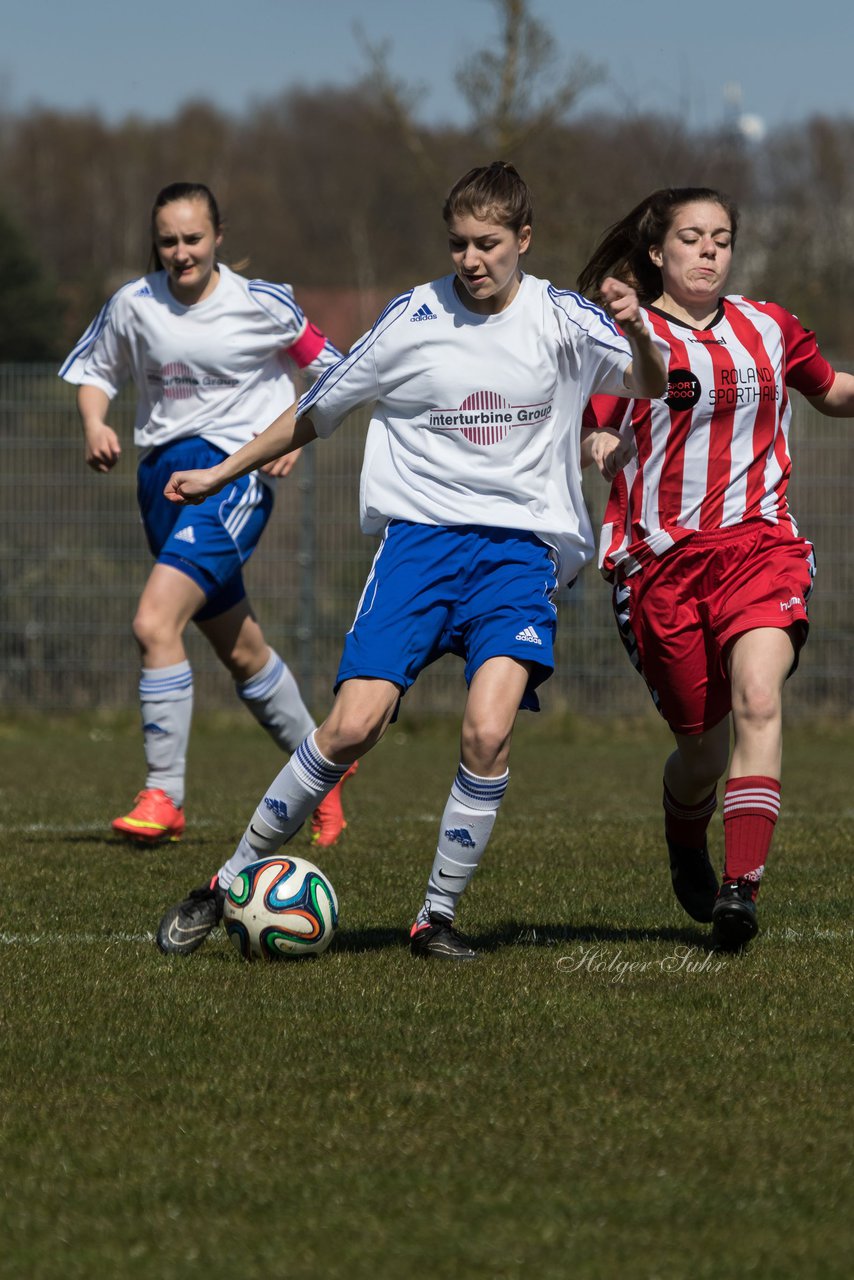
(678, 615)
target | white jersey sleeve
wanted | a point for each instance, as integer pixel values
(102, 356)
(304, 343)
(353, 382)
(598, 352)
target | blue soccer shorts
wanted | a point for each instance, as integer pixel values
(211, 542)
(470, 590)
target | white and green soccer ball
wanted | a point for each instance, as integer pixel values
(280, 908)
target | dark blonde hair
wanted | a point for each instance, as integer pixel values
(181, 191)
(623, 250)
(491, 191)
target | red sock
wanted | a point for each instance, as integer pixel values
(751, 808)
(686, 824)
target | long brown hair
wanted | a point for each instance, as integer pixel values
(623, 250)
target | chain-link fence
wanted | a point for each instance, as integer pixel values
(73, 560)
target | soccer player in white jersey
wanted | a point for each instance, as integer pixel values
(471, 475)
(212, 356)
(711, 578)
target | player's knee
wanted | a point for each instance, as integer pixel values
(704, 774)
(350, 735)
(484, 746)
(757, 703)
(140, 628)
(704, 761)
(151, 629)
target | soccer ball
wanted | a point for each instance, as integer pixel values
(280, 908)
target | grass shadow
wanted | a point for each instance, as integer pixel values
(518, 933)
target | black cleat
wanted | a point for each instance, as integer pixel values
(734, 916)
(185, 926)
(439, 940)
(694, 881)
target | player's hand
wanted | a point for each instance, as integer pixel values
(610, 452)
(281, 466)
(102, 446)
(189, 488)
(621, 303)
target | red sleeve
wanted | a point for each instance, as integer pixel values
(604, 411)
(806, 368)
(308, 345)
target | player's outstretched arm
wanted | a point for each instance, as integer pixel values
(646, 376)
(283, 436)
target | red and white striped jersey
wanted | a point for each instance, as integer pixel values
(713, 451)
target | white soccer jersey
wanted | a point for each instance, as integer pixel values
(713, 451)
(222, 369)
(476, 419)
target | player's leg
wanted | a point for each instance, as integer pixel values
(663, 631)
(761, 623)
(361, 712)
(691, 775)
(197, 552)
(503, 621)
(469, 816)
(267, 688)
(168, 601)
(395, 633)
(264, 683)
(759, 663)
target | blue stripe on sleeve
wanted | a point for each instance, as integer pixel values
(280, 293)
(331, 377)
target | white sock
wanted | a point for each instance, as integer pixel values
(273, 697)
(294, 795)
(463, 836)
(166, 706)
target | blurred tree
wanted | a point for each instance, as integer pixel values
(805, 217)
(505, 87)
(514, 90)
(30, 314)
(341, 189)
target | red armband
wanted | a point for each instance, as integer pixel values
(308, 345)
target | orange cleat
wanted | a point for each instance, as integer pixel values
(154, 817)
(327, 821)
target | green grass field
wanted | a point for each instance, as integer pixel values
(599, 1096)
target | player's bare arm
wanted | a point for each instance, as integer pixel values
(101, 442)
(283, 436)
(646, 376)
(838, 400)
(281, 467)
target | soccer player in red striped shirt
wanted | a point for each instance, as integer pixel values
(711, 577)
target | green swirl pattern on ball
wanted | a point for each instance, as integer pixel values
(240, 890)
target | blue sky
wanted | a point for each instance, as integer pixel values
(771, 61)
